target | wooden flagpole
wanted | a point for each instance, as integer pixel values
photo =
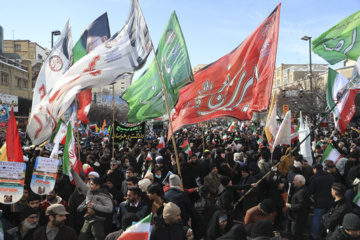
(170, 122)
(77, 133)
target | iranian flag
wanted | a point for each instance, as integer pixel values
(148, 157)
(331, 154)
(231, 128)
(139, 231)
(224, 137)
(345, 109)
(357, 199)
(70, 153)
(186, 147)
(60, 133)
(161, 144)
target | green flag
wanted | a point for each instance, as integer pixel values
(145, 96)
(340, 42)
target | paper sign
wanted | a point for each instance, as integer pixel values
(11, 181)
(44, 175)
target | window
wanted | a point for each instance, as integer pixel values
(4, 78)
(18, 82)
(278, 82)
(122, 88)
(17, 47)
(25, 83)
(39, 58)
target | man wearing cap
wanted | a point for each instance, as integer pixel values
(168, 226)
(56, 228)
(350, 228)
(263, 211)
(28, 225)
(320, 188)
(99, 206)
(337, 211)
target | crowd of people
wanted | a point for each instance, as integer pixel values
(202, 202)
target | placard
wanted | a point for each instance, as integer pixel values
(44, 175)
(12, 176)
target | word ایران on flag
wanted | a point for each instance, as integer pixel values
(103, 66)
(340, 42)
(331, 154)
(345, 109)
(145, 96)
(236, 85)
(94, 35)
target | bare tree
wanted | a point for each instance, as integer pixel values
(100, 111)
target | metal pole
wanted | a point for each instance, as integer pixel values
(52, 40)
(310, 64)
(113, 126)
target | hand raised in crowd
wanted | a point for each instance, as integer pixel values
(254, 185)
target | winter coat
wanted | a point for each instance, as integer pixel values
(181, 199)
(76, 220)
(251, 199)
(15, 234)
(214, 231)
(117, 176)
(225, 198)
(284, 166)
(141, 210)
(213, 184)
(205, 207)
(320, 187)
(300, 205)
(65, 232)
(336, 213)
(162, 231)
(103, 204)
(340, 234)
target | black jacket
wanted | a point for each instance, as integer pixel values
(181, 199)
(335, 215)
(340, 234)
(76, 220)
(214, 231)
(320, 187)
(300, 205)
(163, 231)
(15, 234)
(206, 209)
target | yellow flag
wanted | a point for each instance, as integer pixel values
(96, 129)
(271, 124)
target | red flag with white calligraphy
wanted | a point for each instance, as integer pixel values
(236, 85)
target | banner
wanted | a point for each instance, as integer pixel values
(236, 85)
(145, 96)
(12, 176)
(118, 58)
(44, 175)
(340, 42)
(4, 114)
(9, 100)
(124, 133)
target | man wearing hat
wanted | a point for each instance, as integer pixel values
(350, 228)
(56, 228)
(337, 211)
(263, 211)
(168, 225)
(28, 225)
(179, 197)
(320, 187)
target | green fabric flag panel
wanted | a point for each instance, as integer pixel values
(145, 96)
(340, 42)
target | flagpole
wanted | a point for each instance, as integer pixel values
(170, 122)
(289, 154)
(113, 131)
(77, 132)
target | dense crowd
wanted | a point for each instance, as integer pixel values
(111, 193)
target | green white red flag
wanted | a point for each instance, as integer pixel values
(70, 153)
(345, 109)
(138, 231)
(331, 154)
(186, 147)
(231, 128)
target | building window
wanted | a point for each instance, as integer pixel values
(122, 88)
(40, 58)
(4, 78)
(18, 82)
(25, 83)
(17, 47)
(278, 82)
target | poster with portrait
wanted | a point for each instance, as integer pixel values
(9, 100)
(44, 175)
(12, 176)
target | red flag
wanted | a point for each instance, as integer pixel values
(13, 145)
(84, 98)
(237, 84)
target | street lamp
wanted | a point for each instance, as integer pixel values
(306, 38)
(56, 33)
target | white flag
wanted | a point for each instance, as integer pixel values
(115, 59)
(305, 147)
(55, 66)
(283, 135)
